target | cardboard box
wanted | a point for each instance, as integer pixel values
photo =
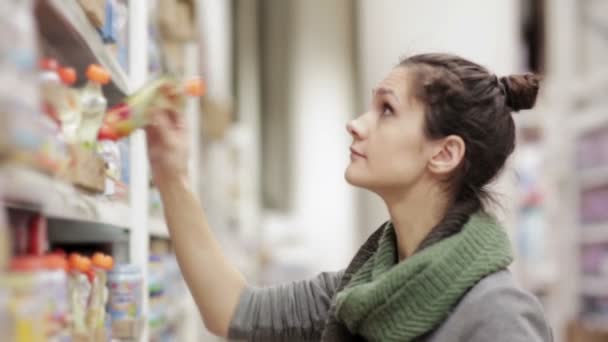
(87, 169)
(176, 20)
(95, 11)
(217, 117)
(173, 52)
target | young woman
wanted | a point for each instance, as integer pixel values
(438, 130)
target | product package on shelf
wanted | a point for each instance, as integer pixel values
(46, 296)
(167, 291)
(95, 11)
(165, 93)
(177, 20)
(87, 168)
(114, 30)
(88, 296)
(26, 134)
(125, 285)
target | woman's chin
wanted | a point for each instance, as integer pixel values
(353, 178)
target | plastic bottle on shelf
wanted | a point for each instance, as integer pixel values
(50, 87)
(79, 292)
(93, 105)
(126, 289)
(69, 106)
(55, 280)
(164, 93)
(110, 152)
(26, 287)
(99, 292)
(18, 56)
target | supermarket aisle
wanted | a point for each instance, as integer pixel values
(267, 86)
(85, 253)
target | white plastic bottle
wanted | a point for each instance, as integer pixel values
(69, 108)
(93, 105)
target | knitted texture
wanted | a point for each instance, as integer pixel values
(390, 301)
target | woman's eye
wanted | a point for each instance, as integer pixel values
(387, 110)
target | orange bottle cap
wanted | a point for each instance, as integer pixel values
(97, 73)
(79, 263)
(195, 87)
(27, 263)
(103, 261)
(68, 75)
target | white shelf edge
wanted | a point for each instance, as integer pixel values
(158, 227)
(75, 16)
(58, 199)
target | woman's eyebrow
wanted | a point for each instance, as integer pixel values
(385, 91)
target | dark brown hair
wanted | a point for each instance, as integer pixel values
(465, 99)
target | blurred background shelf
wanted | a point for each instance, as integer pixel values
(69, 36)
(594, 233)
(158, 227)
(180, 308)
(594, 286)
(593, 177)
(28, 189)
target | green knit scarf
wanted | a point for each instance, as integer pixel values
(386, 301)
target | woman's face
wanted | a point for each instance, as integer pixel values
(390, 150)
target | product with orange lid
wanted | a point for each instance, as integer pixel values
(79, 289)
(50, 87)
(55, 278)
(93, 105)
(99, 293)
(164, 93)
(69, 104)
(26, 291)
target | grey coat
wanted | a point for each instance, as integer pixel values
(493, 310)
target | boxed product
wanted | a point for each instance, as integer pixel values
(176, 19)
(87, 169)
(95, 11)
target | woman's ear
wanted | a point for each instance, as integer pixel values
(447, 155)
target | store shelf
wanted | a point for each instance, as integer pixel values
(179, 308)
(68, 36)
(594, 233)
(593, 177)
(28, 189)
(588, 119)
(158, 227)
(590, 86)
(594, 286)
(595, 322)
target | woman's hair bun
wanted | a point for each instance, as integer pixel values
(520, 90)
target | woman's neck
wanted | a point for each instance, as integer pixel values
(414, 213)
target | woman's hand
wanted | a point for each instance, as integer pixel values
(167, 147)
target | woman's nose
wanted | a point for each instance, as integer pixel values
(353, 127)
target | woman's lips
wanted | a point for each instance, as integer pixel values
(355, 153)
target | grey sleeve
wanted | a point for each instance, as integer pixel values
(505, 314)
(290, 312)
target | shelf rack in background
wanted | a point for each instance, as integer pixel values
(68, 34)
